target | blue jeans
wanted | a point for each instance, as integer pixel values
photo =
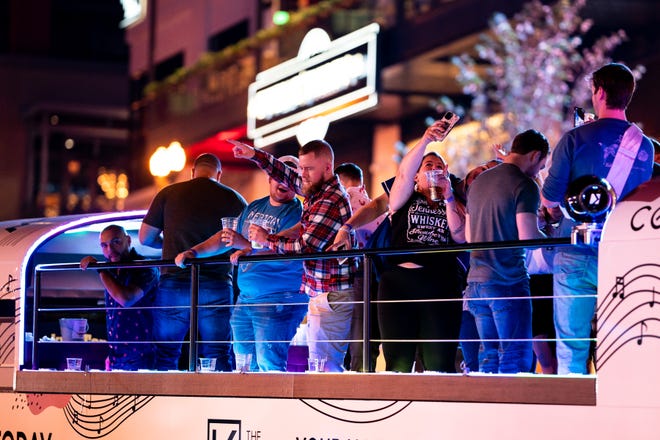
(329, 326)
(266, 330)
(171, 324)
(470, 344)
(575, 290)
(505, 326)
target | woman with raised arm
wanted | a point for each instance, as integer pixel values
(423, 216)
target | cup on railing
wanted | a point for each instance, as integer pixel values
(316, 364)
(206, 364)
(230, 223)
(73, 364)
(243, 361)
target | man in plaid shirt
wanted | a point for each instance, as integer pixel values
(325, 210)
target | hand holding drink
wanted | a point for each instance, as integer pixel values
(230, 223)
(439, 184)
(230, 235)
(232, 238)
(229, 227)
(258, 233)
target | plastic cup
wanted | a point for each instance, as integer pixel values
(316, 364)
(230, 223)
(73, 364)
(434, 177)
(206, 364)
(73, 329)
(243, 361)
(261, 223)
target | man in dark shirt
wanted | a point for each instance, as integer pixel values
(187, 213)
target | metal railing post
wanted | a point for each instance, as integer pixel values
(194, 301)
(35, 313)
(366, 314)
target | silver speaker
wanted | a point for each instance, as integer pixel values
(589, 200)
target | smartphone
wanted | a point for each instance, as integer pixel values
(580, 117)
(451, 119)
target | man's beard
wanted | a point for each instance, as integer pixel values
(311, 188)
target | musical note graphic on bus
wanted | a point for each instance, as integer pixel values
(628, 314)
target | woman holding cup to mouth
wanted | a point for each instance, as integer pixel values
(437, 182)
(424, 213)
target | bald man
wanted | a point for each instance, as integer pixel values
(187, 213)
(129, 296)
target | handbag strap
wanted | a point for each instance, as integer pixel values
(625, 157)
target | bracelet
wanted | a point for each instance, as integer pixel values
(450, 198)
(347, 227)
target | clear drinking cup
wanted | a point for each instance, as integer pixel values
(316, 364)
(74, 364)
(434, 177)
(230, 223)
(261, 223)
(243, 361)
(206, 364)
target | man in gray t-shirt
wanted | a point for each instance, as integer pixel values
(502, 205)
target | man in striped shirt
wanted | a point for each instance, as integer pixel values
(325, 210)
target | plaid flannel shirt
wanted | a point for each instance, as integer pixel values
(324, 212)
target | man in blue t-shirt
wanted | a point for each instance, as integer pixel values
(590, 149)
(129, 295)
(269, 307)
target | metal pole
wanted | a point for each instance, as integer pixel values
(35, 327)
(194, 301)
(366, 314)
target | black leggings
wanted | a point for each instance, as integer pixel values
(419, 320)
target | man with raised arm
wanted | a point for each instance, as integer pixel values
(325, 209)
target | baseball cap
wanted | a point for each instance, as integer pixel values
(291, 161)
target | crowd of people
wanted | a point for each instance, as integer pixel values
(425, 302)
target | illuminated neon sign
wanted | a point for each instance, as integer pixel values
(328, 79)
